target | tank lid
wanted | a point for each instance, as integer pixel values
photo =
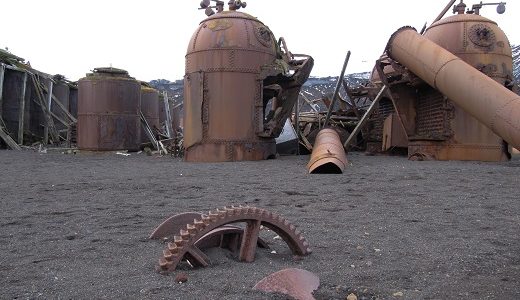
(231, 14)
(109, 72)
(463, 18)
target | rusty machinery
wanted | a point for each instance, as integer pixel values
(450, 96)
(240, 86)
(189, 233)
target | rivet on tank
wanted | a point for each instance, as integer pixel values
(109, 102)
(241, 85)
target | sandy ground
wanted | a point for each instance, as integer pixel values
(76, 226)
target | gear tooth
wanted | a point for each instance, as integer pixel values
(230, 211)
(285, 222)
(179, 241)
(309, 250)
(305, 243)
(206, 220)
(167, 255)
(292, 227)
(164, 264)
(297, 232)
(192, 229)
(185, 234)
(173, 248)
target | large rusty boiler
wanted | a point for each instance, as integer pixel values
(240, 87)
(149, 108)
(447, 124)
(108, 111)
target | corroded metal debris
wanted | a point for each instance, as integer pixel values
(296, 283)
(328, 155)
(184, 245)
(227, 236)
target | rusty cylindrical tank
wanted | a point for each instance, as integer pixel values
(223, 105)
(108, 111)
(328, 155)
(149, 108)
(487, 100)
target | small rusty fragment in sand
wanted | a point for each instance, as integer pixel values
(181, 278)
(296, 283)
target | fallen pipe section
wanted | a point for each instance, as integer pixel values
(328, 155)
(485, 99)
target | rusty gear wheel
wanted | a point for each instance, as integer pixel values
(183, 245)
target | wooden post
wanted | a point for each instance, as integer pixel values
(2, 72)
(21, 114)
(48, 116)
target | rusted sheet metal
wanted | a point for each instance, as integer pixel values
(394, 134)
(482, 97)
(296, 283)
(328, 154)
(149, 108)
(183, 245)
(61, 91)
(234, 74)
(108, 111)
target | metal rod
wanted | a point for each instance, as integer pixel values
(365, 117)
(47, 116)
(336, 91)
(444, 11)
(2, 72)
(21, 112)
(297, 122)
(169, 129)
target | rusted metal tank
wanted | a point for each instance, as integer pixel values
(149, 108)
(108, 111)
(235, 69)
(488, 101)
(436, 125)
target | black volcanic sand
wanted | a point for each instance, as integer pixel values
(77, 226)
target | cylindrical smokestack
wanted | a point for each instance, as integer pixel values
(491, 103)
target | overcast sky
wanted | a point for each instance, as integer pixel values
(149, 38)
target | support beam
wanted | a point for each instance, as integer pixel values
(7, 139)
(336, 90)
(169, 129)
(363, 120)
(47, 116)
(21, 112)
(2, 74)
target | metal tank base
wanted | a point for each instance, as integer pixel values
(231, 151)
(433, 150)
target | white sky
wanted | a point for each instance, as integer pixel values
(149, 38)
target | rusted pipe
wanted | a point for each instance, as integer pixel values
(328, 155)
(485, 99)
(336, 90)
